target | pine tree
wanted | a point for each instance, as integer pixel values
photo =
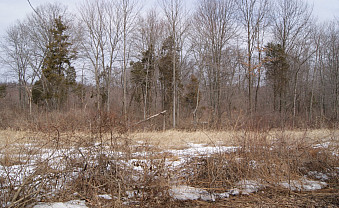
(142, 75)
(3, 88)
(277, 72)
(166, 72)
(58, 75)
(192, 93)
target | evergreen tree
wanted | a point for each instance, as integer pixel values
(142, 75)
(166, 72)
(277, 72)
(192, 94)
(3, 88)
(58, 75)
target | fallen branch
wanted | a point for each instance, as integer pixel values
(149, 118)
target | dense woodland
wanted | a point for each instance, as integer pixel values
(213, 63)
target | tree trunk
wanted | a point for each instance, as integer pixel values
(174, 77)
(295, 95)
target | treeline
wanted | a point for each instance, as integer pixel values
(216, 63)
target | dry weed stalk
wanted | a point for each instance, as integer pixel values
(267, 160)
(66, 164)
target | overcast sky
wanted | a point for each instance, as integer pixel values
(12, 10)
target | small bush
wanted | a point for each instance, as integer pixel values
(266, 159)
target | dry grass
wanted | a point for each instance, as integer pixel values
(269, 159)
(9, 136)
(69, 163)
(95, 163)
(179, 139)
(171, 138)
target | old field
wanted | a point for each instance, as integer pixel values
(169, 169)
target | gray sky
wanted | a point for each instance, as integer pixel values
(326, 9)
(12, 10)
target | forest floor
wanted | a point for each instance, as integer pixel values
(298, 168)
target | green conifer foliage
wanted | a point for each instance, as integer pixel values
(3, 88)
(166, 72)
(277, 72)
(58, 75)
(142, 77)
(192, 92)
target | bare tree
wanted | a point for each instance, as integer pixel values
(317, 43)
(331, 69)
(148, 41)
(253, 17)
(92, 17)
(16, 55)
(198, 52)
(129, 12)
(175, 20)
(291, 30)
(214, 25)
(102, 28)
(113, 30)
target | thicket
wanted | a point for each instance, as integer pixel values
(225, 64)
(108, 169)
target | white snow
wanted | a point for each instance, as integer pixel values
(322, 145)
(105, 196)
(70, 204)
(201, 149)
(190, 193)
(176, 163)
(249, 186)
(318, 175)
(303, 184)
(184, 192)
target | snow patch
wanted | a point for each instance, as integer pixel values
(244, 187)
(249, 186)
(190, 193)
(70, 204)
(318, 175)
(322, 145)
(303, 185)
(105, 196)
(200, 149)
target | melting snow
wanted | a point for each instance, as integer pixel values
(70, 204)
(249, 186)
(190, 193)
(105, 196)
(322, 145)
(201, 149)
(318, 175)
(303, 185)
(181, 192)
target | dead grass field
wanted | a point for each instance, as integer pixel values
(174, 138)
(180, 139)
(267, 156)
